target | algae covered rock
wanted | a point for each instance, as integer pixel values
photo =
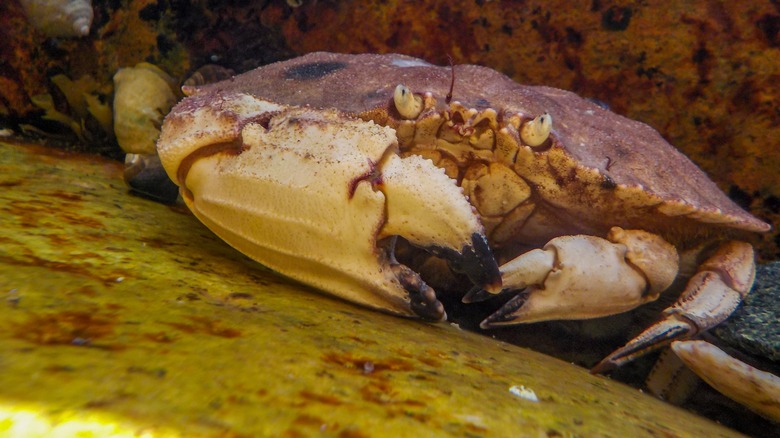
(755, 325)
(124, 316)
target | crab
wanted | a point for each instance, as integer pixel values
(318, 166)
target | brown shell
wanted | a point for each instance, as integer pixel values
(626, 154)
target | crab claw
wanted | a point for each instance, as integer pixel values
(317, 196)
(581, 277)
(440, 221)
(710, 296)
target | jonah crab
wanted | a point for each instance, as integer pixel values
(317, 166)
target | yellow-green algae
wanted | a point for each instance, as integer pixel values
(122, 316)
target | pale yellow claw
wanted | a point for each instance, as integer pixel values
(630, 264)
(311, 193)
(407, 104)
(535, 132)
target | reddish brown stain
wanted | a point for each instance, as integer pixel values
(352, 433)
(292, 433)
(190, 296)
(474, 365)
(65, 196)
(309, 420)
(240, 296)
(33, 214)
(207, 326)
(87, 291)
(78, 328)
(160, 337)
(382, 393)
(362, 341)
(59, 239)
(321, 398)
(365, 365)
(430, 361)
(403, 353)
(70, 268)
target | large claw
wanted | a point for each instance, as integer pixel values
(311, 193)
(710, 296)
(580, 277)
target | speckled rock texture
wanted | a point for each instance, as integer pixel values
(755, 326)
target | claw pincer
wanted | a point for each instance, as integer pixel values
(309, 194)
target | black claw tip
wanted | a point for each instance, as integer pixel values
(605, 366)
(657, 336)
(475, 260)
(422, 298)
(506, 314)
(478, 263)
(476, 295)
(428, 309)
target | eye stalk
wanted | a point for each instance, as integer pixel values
(407, 104)
(535, 132)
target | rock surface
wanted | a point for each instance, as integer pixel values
(120, 315)
(755, 325)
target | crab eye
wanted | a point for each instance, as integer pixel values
(407, 104)
(536, 131)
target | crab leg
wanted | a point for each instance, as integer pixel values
(758, 390)
(710, 296)
(579, 277)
